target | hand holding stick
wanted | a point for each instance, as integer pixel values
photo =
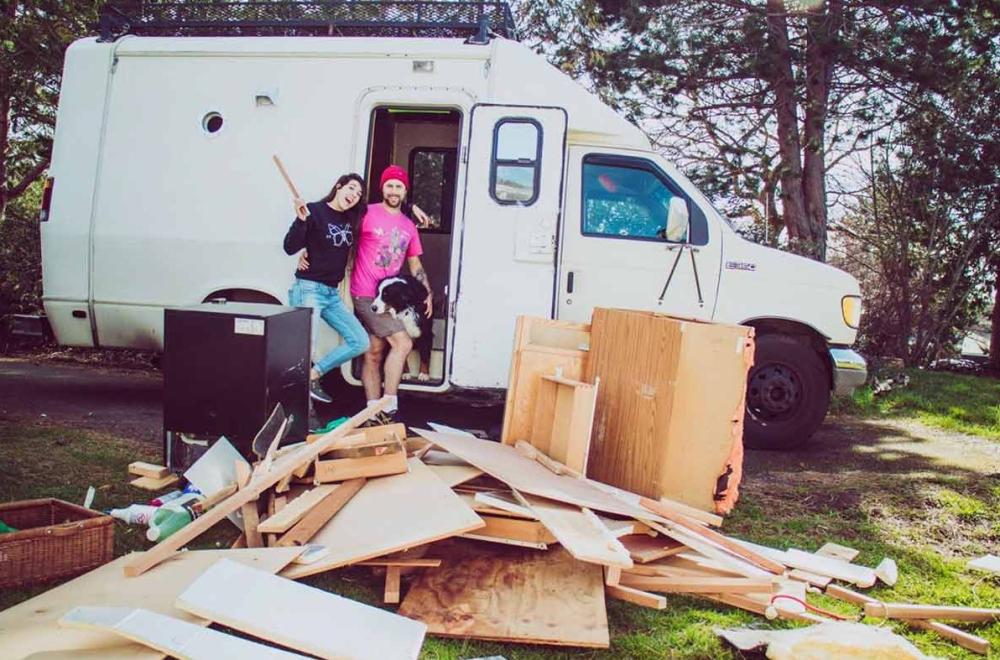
(300, 206)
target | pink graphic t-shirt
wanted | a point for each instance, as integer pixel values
(386, 240)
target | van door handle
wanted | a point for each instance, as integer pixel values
(569, 282)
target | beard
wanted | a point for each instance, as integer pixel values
(393, 201)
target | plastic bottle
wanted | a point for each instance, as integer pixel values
(173, 495)
(172, 516)
(136, 514)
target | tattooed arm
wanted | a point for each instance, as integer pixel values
(417, 270)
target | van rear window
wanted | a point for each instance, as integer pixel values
(517, 147)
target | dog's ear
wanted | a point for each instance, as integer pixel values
(418, 291)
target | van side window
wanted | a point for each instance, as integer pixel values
(517, 149)
(630, 198)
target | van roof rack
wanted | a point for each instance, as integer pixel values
(475, 21)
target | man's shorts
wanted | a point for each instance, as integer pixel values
(380, 325)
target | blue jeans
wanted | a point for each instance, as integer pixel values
(326, 304)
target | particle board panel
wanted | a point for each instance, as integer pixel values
(174, 637)
(455, 475)
(670, 423)
(32, 626)
(390, 514)
(528, 476)
(503, 529)
(299, 617)
(511, 594)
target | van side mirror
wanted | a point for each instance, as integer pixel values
(676, 230)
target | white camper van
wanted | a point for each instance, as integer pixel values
(544, 201)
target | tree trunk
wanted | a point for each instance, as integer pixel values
(821, 42)
(783, 83)
(9, 13)
(995, 324)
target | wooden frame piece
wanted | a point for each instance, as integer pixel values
(564, 418)
(283, 466)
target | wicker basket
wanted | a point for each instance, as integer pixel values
(55, 539)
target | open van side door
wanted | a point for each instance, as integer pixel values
(513, 189)
(634, 237)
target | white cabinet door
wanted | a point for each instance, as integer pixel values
(615, 247)
(513, 189)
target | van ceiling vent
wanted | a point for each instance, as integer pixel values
(405, 18)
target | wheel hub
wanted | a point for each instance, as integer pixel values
(775, 391)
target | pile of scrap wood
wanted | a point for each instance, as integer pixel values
(494, 541)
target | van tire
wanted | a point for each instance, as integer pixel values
(788, 393)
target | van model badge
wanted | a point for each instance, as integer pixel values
(741, 265)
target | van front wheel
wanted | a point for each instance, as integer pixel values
(788, 393)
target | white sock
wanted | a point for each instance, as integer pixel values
(372, 402)
(393, 404)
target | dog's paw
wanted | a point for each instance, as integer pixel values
(423, 377)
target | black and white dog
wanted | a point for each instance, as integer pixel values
(403, 297)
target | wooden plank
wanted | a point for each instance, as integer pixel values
(32, 626)
(455, 475)
(906, 611)
(294, 511)
(150, 483)
(715, 555)
(644, 548)
(691, 585)
(390, 514)
(511, 594)
(583, 535)
(563, 419)
(299, 617)
(342, 469)
(715, 537)
(505, 502)
(529, 533)
(171, 636)
(391, 593)
(841, 570)
(541, 346)
(837, 551)
(402, 563)
(251, 523)
(527, 476)
(622, 528)
(151, 470)
(320, 514)
(637, 597)
(282, 467)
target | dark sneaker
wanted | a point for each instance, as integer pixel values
(316, 392)
(381, 418)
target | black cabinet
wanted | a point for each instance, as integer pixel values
(225, 367)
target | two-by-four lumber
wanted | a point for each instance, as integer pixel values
(704, 585)
(392, 580)
(711, 535)
(282, 467)
(294, 511)
(151, 483)
(637, 597)
(144, 469)
(402, 562)
(964, 639)
(170, 636)
(515, 531)
(319, 515)
(913, 611)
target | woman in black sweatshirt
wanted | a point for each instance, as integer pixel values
(327, 229)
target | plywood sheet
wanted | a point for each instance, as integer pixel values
(454, 475)
(579, 531)
(511, 594)
(527, 476)
(174, 637)
(390, 514)
(32, 626)
(300, 617)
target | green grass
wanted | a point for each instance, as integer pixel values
(955, 402)
(930, 520)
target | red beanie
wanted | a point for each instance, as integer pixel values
(395, 172)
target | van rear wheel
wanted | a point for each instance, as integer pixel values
(788, 393)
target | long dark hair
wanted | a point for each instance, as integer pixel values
(356, 212)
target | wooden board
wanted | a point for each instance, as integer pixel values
(144, 469)
(644, 548)
(32, 626)
(511, 594)
(455, 475)
(282, 467)
(390, 514)
(293, 511)
(705, 585)
(541, 346)
(583, 535)
(153, 483)
(667, 423)
(174, 637)
(320, 514)
(564, 417)
(374, 459)
(637, 597)
(529, 533)
(527, 476)
(299, 617)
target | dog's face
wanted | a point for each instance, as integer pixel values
(402, 297)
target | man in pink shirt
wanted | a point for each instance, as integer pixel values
(387, 239)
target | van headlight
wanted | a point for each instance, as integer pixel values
(850, 307)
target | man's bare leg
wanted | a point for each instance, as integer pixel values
(400, 346)
(371, 368)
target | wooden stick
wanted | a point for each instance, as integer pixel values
(320, 514)
(695, 585)
(284, 175)
(637, 597)
(253, 490)
(392, 576)
(402, 563)
(712, 535)
(907, 611)
(964, 639)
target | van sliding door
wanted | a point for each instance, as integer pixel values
(513, 188)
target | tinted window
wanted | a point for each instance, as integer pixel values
(514, 168)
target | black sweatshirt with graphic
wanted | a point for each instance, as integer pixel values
(326, 235)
